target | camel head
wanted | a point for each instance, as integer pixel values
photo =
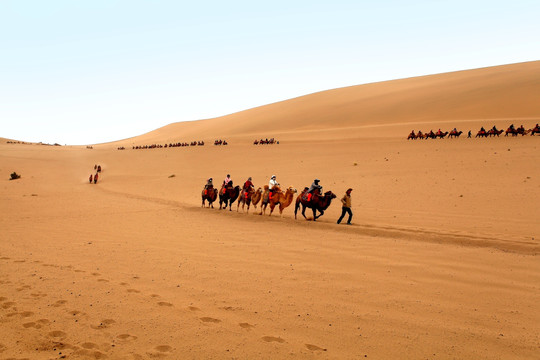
(258, 191)
(330, 194)
(266, 187)
(292, 190)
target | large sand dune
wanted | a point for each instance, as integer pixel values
(441, 260)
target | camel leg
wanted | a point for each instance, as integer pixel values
(304, 211)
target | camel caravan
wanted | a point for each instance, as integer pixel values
(270, 196)
(454, 133)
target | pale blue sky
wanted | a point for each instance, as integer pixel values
(84, 72)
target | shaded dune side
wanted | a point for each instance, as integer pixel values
(508, 92)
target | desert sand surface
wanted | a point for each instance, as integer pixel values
(441, 261)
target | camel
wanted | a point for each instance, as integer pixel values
(284, 199)
(454, 134)
(318, 202)
(210, 195)
(492, 132)
(264, 199)
(256, 197)
(245, 198)
(228, 195)
(441, 134)
(481, 133)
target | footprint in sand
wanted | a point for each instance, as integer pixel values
(3, 298)
(24, 287)
(133, 291)
(193, 308)
(103, 280)
(31, 324)
(124, 284)
(59, 303)
(246, 326)
(38, 294)
(273, 339)
(314, 347)
(19, 261)
(231, 308)
(209, 319)
(127, 337)
(43, 321)
(104, 324)
(164, 303)
(57, 334)
(89, 345)
(96, 274)
(3, 348)
(155, 296)
(8, 304)
(163, 348)
(75, 312)
(4, 258)
(80, 271)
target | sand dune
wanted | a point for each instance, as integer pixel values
(441, 260)
(468, 99)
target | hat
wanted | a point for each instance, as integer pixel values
(316, 180)
(273, 177)
(228, 175)
(249, 178)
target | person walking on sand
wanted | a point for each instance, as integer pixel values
(346, 201)
(95, 178)
(90, 178)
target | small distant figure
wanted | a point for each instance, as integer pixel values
(95, 178)
(90, 178)
(346, 208)
(469, 134)
(99, 168)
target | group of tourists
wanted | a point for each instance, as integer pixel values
(512, 130)
(94, 177)
(220, 142)
(169, 145)
(315, 190)
(265, 141)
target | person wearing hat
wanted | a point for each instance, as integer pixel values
(272, 185)
(209, 185)
(247, 184)
(346, 201)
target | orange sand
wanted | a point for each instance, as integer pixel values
(441, 261)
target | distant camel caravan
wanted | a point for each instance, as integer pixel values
(481, 133)
(276, 198)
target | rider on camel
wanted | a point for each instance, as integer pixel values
(228, 181)
(482, 130)
(439, 132)
(247, 184)
(312, 188)
(272, 185)
(209, 185)
(494, 128)
(512, 127)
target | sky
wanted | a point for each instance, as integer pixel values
(87, 72)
